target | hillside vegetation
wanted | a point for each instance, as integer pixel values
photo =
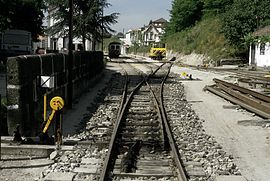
(203, 38)
(216, 28)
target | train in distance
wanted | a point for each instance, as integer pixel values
(114, 49)
(14, 43)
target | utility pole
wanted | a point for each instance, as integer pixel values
(70, 56)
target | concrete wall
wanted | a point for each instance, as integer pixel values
(24, 91)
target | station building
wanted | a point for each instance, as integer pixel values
(259, 54)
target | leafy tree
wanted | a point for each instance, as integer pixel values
(184, 14)
(244, 17)
(89, 21)
(22, 14)
(58, 9)
(120, 35)
(216, 5)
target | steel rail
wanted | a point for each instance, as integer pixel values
(237, 101)
(252, 81)
(182, 175)
(159, 114)
(244, 90)
(256, 77)
(104, 172)
(246, 99)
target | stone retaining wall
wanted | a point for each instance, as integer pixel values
(24, 91)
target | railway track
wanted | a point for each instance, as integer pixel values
(142, 146)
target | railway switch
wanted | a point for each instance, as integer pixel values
(57, 104)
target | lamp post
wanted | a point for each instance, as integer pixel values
(70, 56)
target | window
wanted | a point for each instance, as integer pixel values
(151, 35)
(262, 48)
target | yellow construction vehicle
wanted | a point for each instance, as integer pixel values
(158, 51)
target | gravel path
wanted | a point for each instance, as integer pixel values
(249, 145)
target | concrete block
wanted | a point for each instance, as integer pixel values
(86, 170)
(230, 178)
(90, 161)
(58, 176)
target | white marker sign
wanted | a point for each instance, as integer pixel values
(47, 81)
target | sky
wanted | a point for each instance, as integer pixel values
(137, 13)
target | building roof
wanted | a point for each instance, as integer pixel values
(160, 20)
(262, 31)
(151, 26)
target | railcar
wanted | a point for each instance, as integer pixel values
(158, 51)
(114, 49)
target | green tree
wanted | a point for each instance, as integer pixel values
(216, 5)
(22, 14)
(244, 17)
(89, 21)
(184, 14)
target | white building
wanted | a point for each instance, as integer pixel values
(153, 32)
(126, 42)
(146, 35)
(131, 38)
(58, 42)
(259, 53)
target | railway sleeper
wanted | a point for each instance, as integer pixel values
(142, 129)
(150, 141)
(141, 114)
(128, 161)
(144, 136)
(141, 100)
(156, 168)
(145, 166)
(141, 122)
(140, 104)
(141, 97)
(147, 116)
(140, 109)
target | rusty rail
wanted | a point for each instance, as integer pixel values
(182, 175)
(244, 90)
(248, 99)
(104, 172)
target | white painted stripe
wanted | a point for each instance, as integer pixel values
(10, 86)
(13, 107)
